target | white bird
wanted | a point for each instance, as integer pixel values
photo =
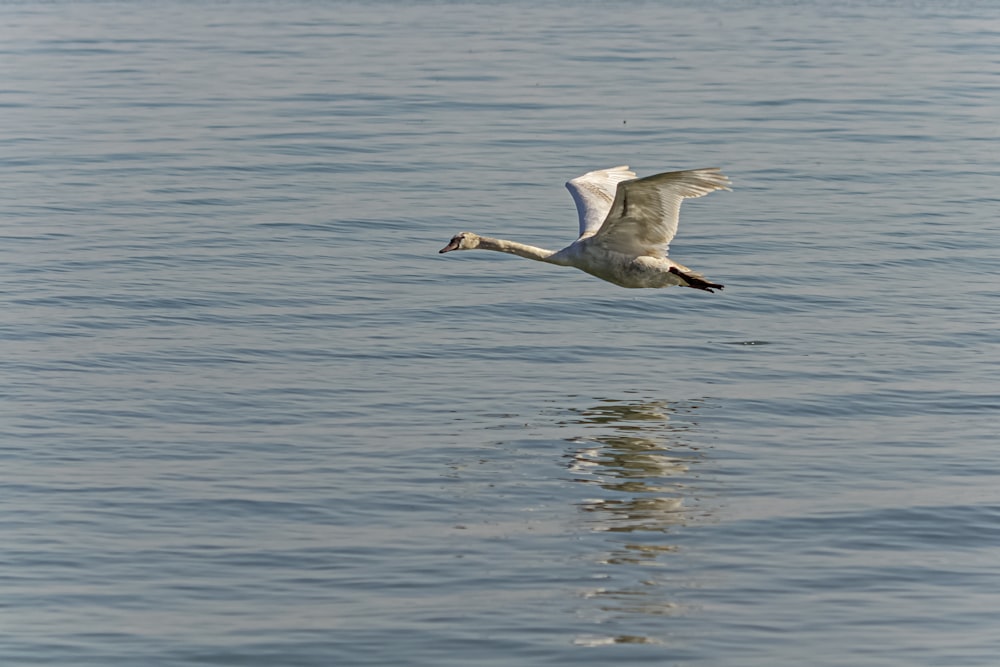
(626, 225)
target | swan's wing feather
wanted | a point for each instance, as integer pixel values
(593, 193)
(643, 216)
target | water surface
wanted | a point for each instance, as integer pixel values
(250, 416)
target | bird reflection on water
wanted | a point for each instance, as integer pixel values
(642, 460)
(642, 465)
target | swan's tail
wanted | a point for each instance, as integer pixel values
(695, 281)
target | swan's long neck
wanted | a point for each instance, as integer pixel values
(515, 248)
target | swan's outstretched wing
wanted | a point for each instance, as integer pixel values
(643, 217)
(593, 193)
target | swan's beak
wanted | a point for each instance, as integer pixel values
(452, 245)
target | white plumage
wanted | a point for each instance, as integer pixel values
(626, 225)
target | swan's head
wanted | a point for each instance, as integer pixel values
(462, 241)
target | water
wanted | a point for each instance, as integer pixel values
(251, 417)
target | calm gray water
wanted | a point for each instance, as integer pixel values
(251, 417)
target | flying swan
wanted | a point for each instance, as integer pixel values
(626, 225)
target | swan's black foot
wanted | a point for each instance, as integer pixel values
(695, 281)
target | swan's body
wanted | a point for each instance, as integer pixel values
(626, 225)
